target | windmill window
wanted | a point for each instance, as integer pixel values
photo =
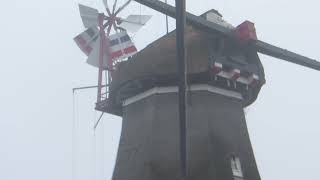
(90, 32)
(236, 168)
(125, 38)
(114, 42)
(95, 38)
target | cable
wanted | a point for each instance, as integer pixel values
(94, 150)
(102, 149)
(97, 123)
(74, 139)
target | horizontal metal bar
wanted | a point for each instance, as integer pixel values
(286, 55)
(87, 87)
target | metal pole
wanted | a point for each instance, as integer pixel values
(87, 87)
(101, 54)
(182, 76)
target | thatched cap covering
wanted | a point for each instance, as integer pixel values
(159, 58)
(158, 62)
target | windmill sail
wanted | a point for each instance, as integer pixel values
(119, 47)
(87, 39)
(134, 22)
(93, 58)
(88, 15)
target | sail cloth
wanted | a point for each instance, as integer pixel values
(119, 46)
(93, 58)
(89, 16)
(134, 22)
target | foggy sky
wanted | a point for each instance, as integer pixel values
(40, 64)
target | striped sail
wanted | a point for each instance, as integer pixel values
(119, 47)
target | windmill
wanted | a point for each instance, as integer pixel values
(104, 49)
(224, 75)
(243, 36)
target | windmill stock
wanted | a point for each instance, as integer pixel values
(211, 27)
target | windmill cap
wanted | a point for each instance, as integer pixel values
(212, 11)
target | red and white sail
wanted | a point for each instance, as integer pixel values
(121, 46)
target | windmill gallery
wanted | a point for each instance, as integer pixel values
(182, 105)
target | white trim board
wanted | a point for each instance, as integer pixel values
(174, 89)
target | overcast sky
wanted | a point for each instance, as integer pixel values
(40, 64)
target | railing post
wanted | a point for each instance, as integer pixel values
(101, 55)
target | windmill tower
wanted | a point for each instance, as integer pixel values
(224, 75)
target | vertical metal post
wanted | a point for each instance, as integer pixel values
(182, 76)
(101, 54)
(167, 21)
